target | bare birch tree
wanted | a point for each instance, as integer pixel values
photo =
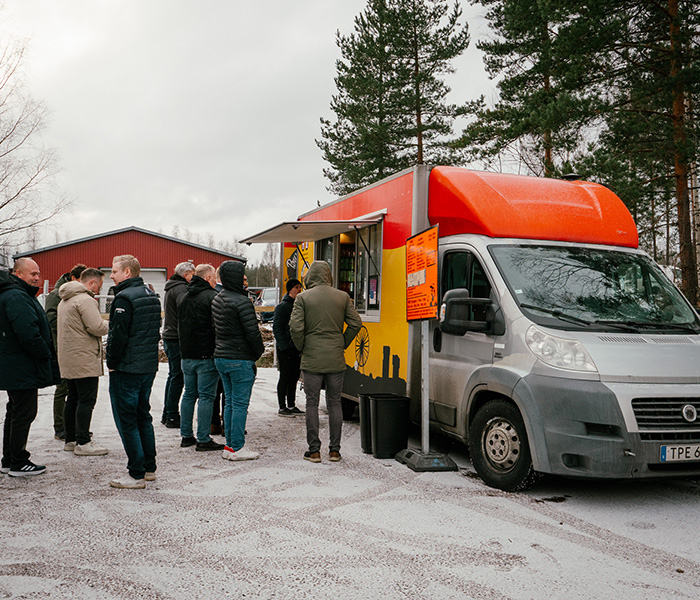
(27, 166)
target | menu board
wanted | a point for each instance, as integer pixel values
(422, 275)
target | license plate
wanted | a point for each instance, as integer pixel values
(680, 453)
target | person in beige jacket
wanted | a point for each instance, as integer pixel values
(80, 357)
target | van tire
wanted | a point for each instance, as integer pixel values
(499, 448)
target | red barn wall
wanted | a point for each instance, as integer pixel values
(152, 251)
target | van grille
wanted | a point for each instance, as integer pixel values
(676, 437)
(621, 339)
(666, 414)
(669, 339)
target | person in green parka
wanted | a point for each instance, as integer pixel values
(318, 328)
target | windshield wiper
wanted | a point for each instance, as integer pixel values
(659, 325)
(556, 313)
(624, 325)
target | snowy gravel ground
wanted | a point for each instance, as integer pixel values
(364, 528)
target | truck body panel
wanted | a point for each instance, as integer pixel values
(562, 317)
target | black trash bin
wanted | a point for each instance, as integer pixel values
(389, 418)
(365, 424)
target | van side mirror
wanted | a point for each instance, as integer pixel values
(455, 314)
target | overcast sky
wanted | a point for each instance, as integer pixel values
(198, 114)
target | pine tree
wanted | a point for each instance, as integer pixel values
(602, 87)
(391, 110)
(540, 118)
(649, 72)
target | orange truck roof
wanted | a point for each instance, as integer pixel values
(514, 206)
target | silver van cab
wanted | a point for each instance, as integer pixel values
(594, 345)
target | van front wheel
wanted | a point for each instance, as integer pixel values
(499, 448)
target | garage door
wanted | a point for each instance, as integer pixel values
(156, 277)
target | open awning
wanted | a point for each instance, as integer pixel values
(296, 232)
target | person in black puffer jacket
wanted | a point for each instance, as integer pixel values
(27, 362)
(132, 360)
(196, 333)
(238, 345)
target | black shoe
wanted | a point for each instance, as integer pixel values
(210, 445)
(163, 419)
(173, 423)
(285, 412)
(295, 411)
(29, 468)
(186, 442)
(60, 435)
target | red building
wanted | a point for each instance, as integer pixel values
(158, 254)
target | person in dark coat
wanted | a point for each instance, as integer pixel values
(175, 287)
(238, 345)
(132, 360)
(27, 362)
(288, 357)
(51, 308)
(196, 336)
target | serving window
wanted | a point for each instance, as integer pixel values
(356, 263)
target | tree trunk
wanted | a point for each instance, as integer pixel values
(682, 172)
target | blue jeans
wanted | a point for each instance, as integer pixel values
(175, 382)
(238, 377)
(201, 379)
(130, 394)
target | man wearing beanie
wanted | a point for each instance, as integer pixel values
(288, 357)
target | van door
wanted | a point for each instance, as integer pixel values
(453, 359)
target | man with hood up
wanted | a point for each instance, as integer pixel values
(238, 345)
(318, 319)
(27, 362)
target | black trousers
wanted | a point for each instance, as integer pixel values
(217, 415)
(77, 415)
(288, 361)
(20, 414)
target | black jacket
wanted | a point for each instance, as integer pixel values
(134, 328)
(27, 355)
(237, 333)
(175, 288)
(194, 323)
(280, 324)
(51, 306)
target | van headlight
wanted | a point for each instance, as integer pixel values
(559, 352)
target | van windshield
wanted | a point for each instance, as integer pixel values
(592, 288)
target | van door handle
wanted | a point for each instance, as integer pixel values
(437, 339)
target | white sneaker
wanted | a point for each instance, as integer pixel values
(128, 483)
(69, 446)
(242, 454)
(150, 476)
(89, 449)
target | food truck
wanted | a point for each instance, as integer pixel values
(559, 347)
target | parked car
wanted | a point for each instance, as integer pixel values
(265, 304)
